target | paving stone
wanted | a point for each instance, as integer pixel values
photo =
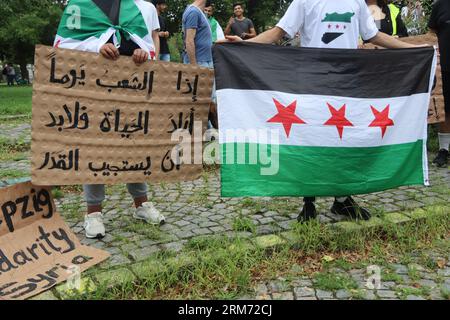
(343, 294)
(400, 269)
(283, 296)
(427, 283)
(444, 272)
(307, 298)
(185, 234)
(181, 223)
(278, 286)
(413, 297)
(386, 294)
(173, 246)
(201, 231)
(323, 295)
(302, 283)
(266, 220)
(302, 292)
(369, 295)
(217, 229)
(141, 254)
(261, 289)
(208, 224)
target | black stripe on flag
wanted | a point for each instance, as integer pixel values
(332, 72)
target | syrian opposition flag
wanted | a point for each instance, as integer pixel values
(86, 26)
(321, 122)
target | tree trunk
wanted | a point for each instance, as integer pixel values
(24, 71)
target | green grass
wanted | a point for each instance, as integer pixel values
(225, 268)
(15, 100)
(72, 211)
(405, 292)
(243, 224)
(147, 230)
(331, 281)
(388, 275)
(13, 174)
(13, 151)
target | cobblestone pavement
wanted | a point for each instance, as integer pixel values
(194, 209)
(413, 281)
(16, 132)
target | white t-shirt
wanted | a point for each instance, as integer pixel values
(329, 23)
(150, 15)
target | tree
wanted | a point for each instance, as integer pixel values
(25, 23)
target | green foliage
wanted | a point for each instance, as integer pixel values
(25, 23)
(264, 13)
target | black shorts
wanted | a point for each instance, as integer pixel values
(446, 91)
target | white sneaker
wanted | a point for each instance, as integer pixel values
(149, 214)
(93, 225)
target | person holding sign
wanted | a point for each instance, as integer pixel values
(112, 28)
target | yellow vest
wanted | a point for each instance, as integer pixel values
(395, 11)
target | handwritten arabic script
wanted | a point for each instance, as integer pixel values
(101, 121)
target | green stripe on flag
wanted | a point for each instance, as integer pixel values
(323, 171)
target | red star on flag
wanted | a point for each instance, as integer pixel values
(286, 116)
(338, 119)
(382, 119)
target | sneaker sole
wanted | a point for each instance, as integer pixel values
(98, 236)
(152, 223)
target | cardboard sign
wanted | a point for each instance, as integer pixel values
(98, 121)
(436, 113)
(37, 249)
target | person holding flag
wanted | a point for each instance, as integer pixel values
(112, 28)
(329, 24)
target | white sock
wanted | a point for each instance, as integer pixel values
(341, 199)
(444, 141)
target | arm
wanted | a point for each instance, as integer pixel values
(386, 41)
(155, 36)
(270, 36)
(190, 45)
(252, 33)
(228, 27)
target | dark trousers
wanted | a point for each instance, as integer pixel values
(11, 80)
(446, 91)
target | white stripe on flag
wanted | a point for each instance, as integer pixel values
(251, 109)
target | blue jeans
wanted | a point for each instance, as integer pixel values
(164, 57)
(95, 193)
(207, 64)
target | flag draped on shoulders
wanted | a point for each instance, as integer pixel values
(216, 30)
(85, 26)
(326, 122)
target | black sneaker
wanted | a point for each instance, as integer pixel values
(350, 209)
(441, 159)
(308, 212)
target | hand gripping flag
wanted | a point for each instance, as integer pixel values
(321, 122)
